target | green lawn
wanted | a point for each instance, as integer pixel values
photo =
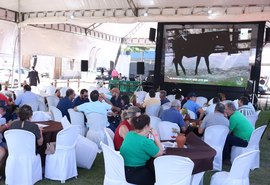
(257, 177)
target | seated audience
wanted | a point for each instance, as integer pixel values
(221, 96)
(214, 118)
(83, 98)
(193, 106)
(116, 99)
(163, 98)
(66, 103)
(125, 126)
(240, 130)
(125, 102)
(152, 100)
(211, 108)
(244, 108)
(137, 149)
(173, 115)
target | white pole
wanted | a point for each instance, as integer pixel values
(19, 43)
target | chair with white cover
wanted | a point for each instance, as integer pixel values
(77, 118)
(235, 102)
(152, 110)
(114, 167)
(96, 123)
(173, 170)
(63, 91)
(210, 102)
(86, 152)
(41, 116)
(239, 173)
(202, 101)
(65, 122)
(109, 139)
(215, 136)
(171, 97)
(191, 114)
(56, 113)
(154, 122)
(23, 166)
(140, 96)
(252, 119)
(52, 100)
(165, 130)
(253, 144)
(62, 164)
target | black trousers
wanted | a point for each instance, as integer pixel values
(139, 175)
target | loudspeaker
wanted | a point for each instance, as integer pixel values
(84, 65)
(267, 35)
(255, 73)
(140, 68)
(152, 34)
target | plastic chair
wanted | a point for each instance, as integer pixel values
(109, 139)
(96, 123)
(52, 100)
(23, 166)
(253, 144)
(86, 152)
(165, 130)
(152, 110)
(239, 173)
(140, 96)
(65, 122)
(114, 167)
(252, 119)
(62, 164)
(154, 122)
(191, 114)
(215, 136)
(77, 118)
(56, 113)
(173, 170)
(202, 101)
(171, 97)
(41, 116)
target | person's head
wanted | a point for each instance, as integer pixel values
(27, 87)
(132, 112)
(84, 94)
(162, 94)
(242, 101)
(94, 95)
(230, 108)
(70, 94)
(152, 93)
(222, 96)
(33, 67)
(216, 100)
(176, 104)
(192, 96)
(115, 92)
(125, 100)
(220, 108)
(141, 122)
(57, 92)
(25, 112)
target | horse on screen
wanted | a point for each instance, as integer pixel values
(199, 45)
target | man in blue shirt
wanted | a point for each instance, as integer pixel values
(193, 106)
(66, 103)
(83, 98)
(173, 115)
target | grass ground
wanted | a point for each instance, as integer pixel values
(257, 177)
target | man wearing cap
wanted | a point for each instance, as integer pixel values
(124, 127)
(173, 115)
(193, 106)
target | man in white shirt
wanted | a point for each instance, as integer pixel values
(244, 108)
(211, 108)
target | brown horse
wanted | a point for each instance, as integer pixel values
(200, 45)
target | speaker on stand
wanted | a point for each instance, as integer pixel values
(152, 34)
(254, 76)
(140, 71)
(84, 65)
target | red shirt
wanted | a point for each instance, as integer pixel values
(118, 140)
(4, 98)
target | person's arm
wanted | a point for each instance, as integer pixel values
(157, 142)
(201, 112)
(18, 100)
(40, 140)
(38, 78)
(123, 130)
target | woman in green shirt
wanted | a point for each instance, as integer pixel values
(137, 149)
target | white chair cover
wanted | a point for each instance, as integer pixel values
(23, 166)
(215, 136)
(239, 173)
(166, 106)
(140, 96)
(191, 114)
(41, 103)
(62, 164)
(253, 144)
(165, 130)
(86, 152)
(152, 110)
(210, 102)
(56, 113)
(173, 170)
(202, 101)
(77, 118)
(96, 123)
(41, 116)
(52, 100)
(147, 96)
(109, 139)
(235, 102)
(197, 179)
(50, 90)
(154, 122)
(65, 123)
(171, 97)
(114, 167)
(252, 119)
(63, 91)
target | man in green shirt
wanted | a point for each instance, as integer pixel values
(240, 130)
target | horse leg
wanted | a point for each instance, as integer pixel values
(176, 65)
(197, 64)
(180, 63)
(207, 64)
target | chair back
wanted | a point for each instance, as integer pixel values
(114, 166)
(109, 139)
(56, 113)
(154, 122)
(242, 164)
(166, 106)
(165, 130)
(171, 97)
(76, 118)
(63, 91)
(152, 110)
(67, 137)
(255, 138)
(191, 114)
(40, 116)
(215, 136)
(252, 119)
(52, 100)
(201, 101)
(96, 121)
(173, 170)
(140, 96)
